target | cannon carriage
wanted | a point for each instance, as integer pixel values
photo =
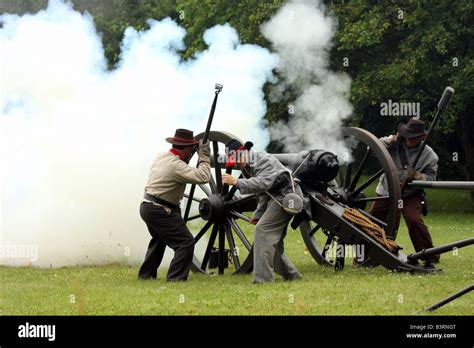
(336, 215)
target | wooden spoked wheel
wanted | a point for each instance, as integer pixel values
(215, 214)
(367, 161)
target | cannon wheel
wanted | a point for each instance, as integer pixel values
(370, 159)
(216, 212)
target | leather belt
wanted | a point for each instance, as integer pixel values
(159, 201)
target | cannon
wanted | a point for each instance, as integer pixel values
(336, 218)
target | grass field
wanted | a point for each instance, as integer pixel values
(114, 289)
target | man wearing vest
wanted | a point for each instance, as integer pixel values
(404, 148)
(266, 174)
(160, 210)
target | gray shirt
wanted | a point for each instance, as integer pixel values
(427, 164)
(263, 172)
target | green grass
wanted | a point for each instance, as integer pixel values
(115, 289)
(449, 201)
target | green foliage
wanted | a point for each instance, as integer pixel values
(245, 16)
(117, 15)
(22, 6)
(410, 51)
(388, 57)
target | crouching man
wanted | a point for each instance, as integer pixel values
(266, 174)
(160, 210)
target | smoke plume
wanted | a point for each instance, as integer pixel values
(301, 33)
(77, 140)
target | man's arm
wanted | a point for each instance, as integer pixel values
(190, 175)
(389, 141)
(256, 184)
(263, 179)
(199, 175)
(431, 169)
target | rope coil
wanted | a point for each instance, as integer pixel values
(371, 228)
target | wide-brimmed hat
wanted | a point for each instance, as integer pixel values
(233, 147)
(412, 129)
(183, 137)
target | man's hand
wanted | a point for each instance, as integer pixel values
(410, 173)
(420, 176)
(253, 221)
(229, 179)
(391, 139)
(204, 149)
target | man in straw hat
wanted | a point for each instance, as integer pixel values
(404, 147)
(267, 174)
(160, 210)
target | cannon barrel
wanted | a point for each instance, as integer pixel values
(440, 249)
(449, 185)
(311, 166)
(291, 160)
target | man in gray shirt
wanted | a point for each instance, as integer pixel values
(404, 148)
(266, 174)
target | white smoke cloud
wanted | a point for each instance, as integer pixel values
(77, 140)
(301, 33)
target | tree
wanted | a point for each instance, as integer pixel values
(411, 52)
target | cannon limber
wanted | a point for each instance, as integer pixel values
(336, 216)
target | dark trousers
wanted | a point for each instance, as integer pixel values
(166, 229)
(418, 231)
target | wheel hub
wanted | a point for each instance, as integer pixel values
(212, 208)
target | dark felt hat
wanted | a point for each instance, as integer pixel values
(412, 129)
(183, 137)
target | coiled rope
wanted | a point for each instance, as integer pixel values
(371, 228)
